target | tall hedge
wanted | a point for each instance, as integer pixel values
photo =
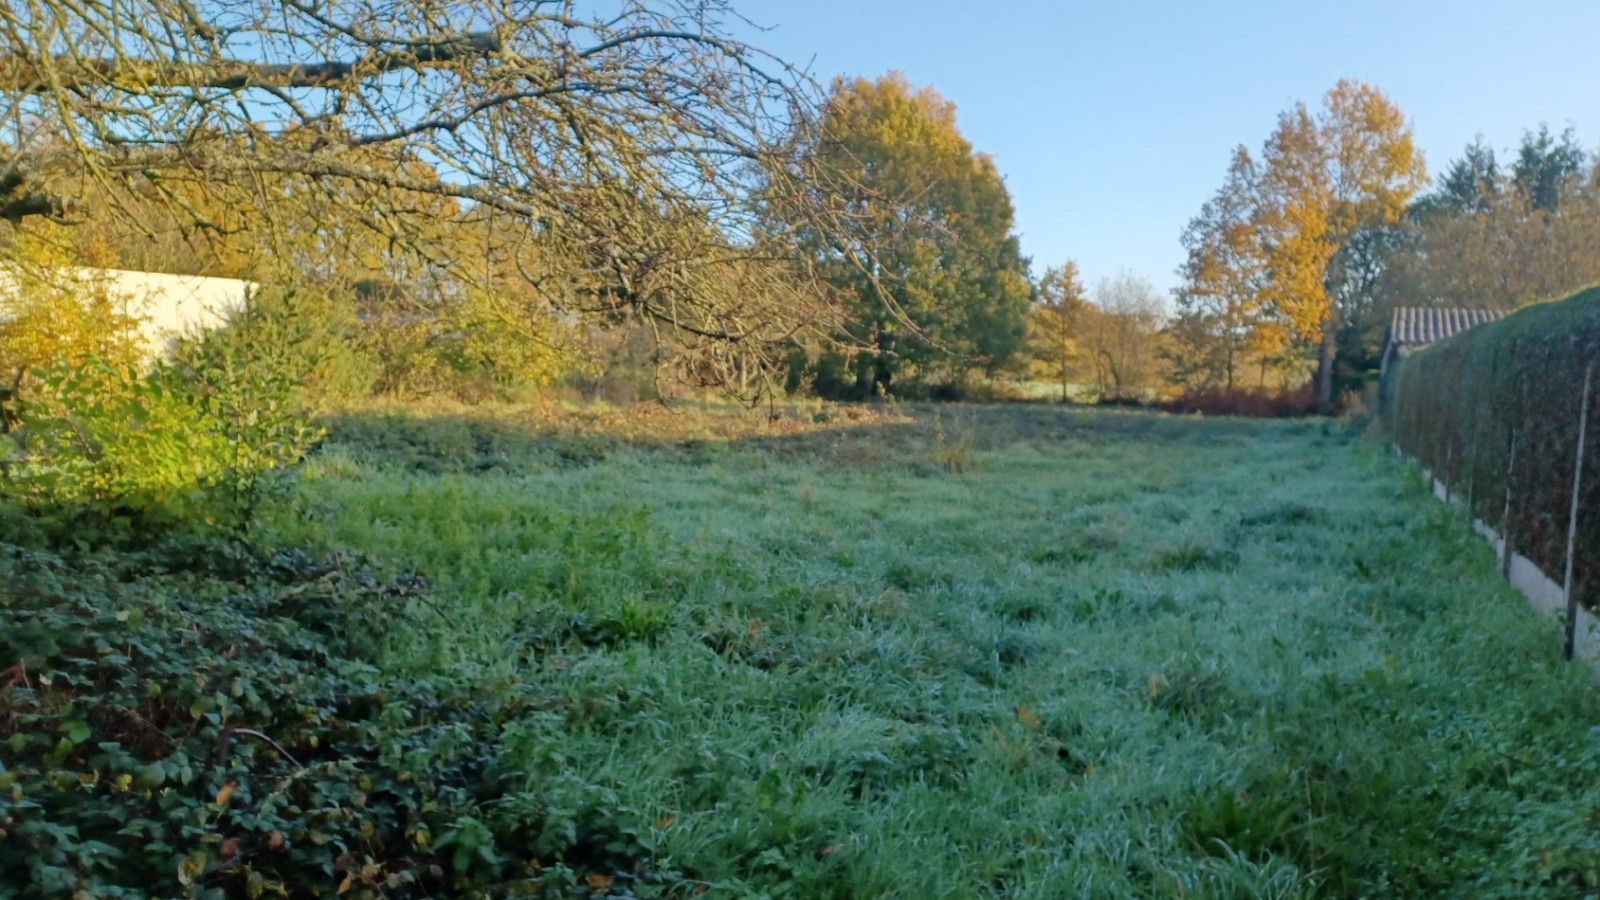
(1500, 404)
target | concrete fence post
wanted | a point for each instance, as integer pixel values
(1505, 511)
(1449, 464)
(1472, 466)
(1572, 520)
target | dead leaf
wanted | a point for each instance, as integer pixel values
(1156, 682)
(1027, 717)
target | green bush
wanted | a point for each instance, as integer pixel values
(204, 437)
(256, 382)
(112, 442)
(314, 334)
(1497, 407)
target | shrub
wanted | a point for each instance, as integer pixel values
(255, 383)
(474, 346)
(110, 442)
(1496, 409)
(1259, 404)
(312, 333)
(205, 437)
(53, 313)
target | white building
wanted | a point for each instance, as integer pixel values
(167, 306)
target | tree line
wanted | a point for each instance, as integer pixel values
(481, 198)
(1295, 264)
(478, 196)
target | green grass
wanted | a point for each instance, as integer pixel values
(990, 652)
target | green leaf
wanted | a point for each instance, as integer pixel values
(77, 731)
(149, 777)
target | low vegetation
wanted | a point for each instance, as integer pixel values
(916, 652)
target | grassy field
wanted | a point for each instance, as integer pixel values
(967, 652)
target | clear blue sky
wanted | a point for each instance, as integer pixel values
(1113, 121)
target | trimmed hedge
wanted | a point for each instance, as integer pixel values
(1501, 402)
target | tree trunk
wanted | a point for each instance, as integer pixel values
(1328, 350)
(1064, 360)
(1116, 378)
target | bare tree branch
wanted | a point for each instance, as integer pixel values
(626, 150)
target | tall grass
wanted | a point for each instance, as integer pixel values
(1108, 654)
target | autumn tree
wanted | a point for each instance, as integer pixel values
(1121, 337)
(621, 147)
(1325, 177)
(927, 268)
(1499, 237)
(1054, 321)
(1223, 317)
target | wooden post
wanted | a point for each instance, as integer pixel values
(1572, 520)
(1505, 512)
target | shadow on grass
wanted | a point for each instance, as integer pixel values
(486, 439)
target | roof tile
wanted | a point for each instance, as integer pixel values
(1425, 325)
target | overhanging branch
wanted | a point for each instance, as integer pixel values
(23, 75)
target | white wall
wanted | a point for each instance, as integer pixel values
(168, 305)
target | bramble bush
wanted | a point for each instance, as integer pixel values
(196, 720)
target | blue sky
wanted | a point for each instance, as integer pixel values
(1113, 121)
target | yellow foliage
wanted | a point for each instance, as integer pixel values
(1053, 325)
(1355, 165)
(51, 313)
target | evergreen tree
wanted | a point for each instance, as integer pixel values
(1547, 167)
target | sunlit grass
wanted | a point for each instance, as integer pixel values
(989, 652)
